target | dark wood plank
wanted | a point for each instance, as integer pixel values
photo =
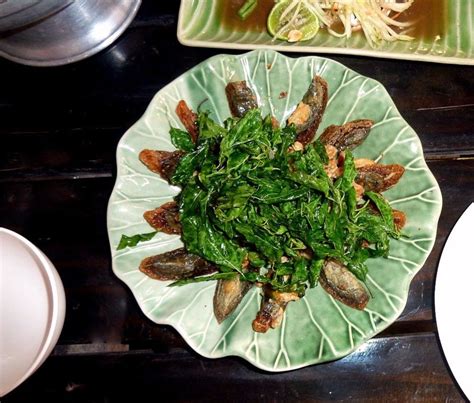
(110, 89)
(59, 130)
(78, 112)
(81, 131)
(44, 155)
(456, 180)
(389, 369)
(66, 219)
(153, 13)
(83, 153)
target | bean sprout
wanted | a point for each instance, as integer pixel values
(376, 18)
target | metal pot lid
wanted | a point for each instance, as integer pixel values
(74, 33)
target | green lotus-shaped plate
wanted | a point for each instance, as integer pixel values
(316, 328)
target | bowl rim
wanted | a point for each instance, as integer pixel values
(56, 306)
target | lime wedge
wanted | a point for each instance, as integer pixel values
(292, 21)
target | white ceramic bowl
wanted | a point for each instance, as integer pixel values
(32, 308)
(453, 301)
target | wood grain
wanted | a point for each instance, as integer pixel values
(59, 128)
(66, 219)
(73, 116)
(384, 369)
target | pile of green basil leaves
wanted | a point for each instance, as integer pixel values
(249, 201)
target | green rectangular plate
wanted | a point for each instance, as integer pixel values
(199, 25)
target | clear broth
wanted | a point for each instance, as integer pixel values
(256, 22)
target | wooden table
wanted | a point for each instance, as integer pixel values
(59, 128)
